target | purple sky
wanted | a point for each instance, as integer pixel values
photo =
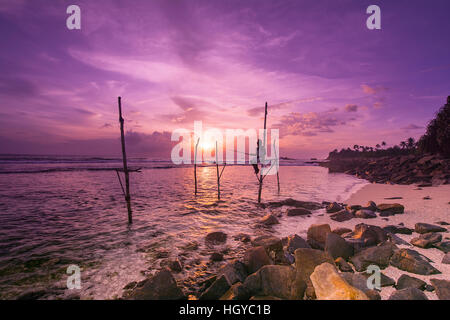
(329, 81)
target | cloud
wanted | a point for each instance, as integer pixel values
(351, 108)
(412, 127)
(257, 111)
(372, 90)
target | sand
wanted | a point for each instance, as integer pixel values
(416, 210)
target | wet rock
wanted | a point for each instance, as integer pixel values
(317, 235)
(270, 243)
(446, 258)
(255, 258)
(442, 288)
(343, 265)
(341, 231)
(175, 265)
(370, 235)
(426, 240)
(412, 261)
(294, 203)
(295, 242)
(269, 220)
(443, 246)
(354, 207)
(130, 285)
(426, 227)
(333, 207)
(236, 292)
(342, 216)
(216, 290)
(443, 223)
(371, 206)
(408, 294)
(306, 260)
(406, 281)
(336, 246)
(388, 209)
(162, 286)
(217, 237)
(329, 285)
(398, 229)
(216, 256)
(234, 271)
(397, 240)
(379, 255)
(365, 214)
(297, 212)
(243, 237)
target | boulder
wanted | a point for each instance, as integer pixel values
(379, 256)
(406, 281)
(162, 286)
(369, 235)
(306, 260)
(297, 212)
(336, 246)
(269, 220)
(365, 214)
(175, 265)
(388, 209)
(398, 229)
(341, 231)
(343, 265)
(446, 258)
(217, 237)
(234, 271)
(443, 246)
(442, 288)
(371, 206)
(317, 235)
(426, 240)
(296, 242)
(385, 281)
(255, 258)
(216, 290)
(270, 243)
(412, 261)
(426, 227)
(294, 203)
(329, 285)
(359, 281)
(342, 216)
(216, 256)
(236, 292)
(408, 294)
(333, 207)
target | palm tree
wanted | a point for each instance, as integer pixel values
(356, 147)
(378, 146)
(403, 144)
(383, 143)
(411, 143)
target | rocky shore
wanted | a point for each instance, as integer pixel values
(326, 264)
(407, 169)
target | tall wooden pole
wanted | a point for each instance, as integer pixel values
(259, 148)
(218, 176)
(195, 165)
(125, 166)
(278, 164)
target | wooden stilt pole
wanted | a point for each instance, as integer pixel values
(125, 166)
(218, 176)
(261, 178)
(195, 165)
(278, 165)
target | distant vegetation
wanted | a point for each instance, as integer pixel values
(436, 140)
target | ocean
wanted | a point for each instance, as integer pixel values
(56, 211)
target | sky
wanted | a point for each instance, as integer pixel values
(329, 81)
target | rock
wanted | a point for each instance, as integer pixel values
(270, 243)
(370, 235)
(442, 288)
(269, 220)
(354, 207)
(32, 294)
(408, 294)
(398, 229)
(388, 209)
(446, 258)
(397, 240)
(264, 298)
(243, 237)
(443, 246)
(234, 271)
(371, 206)
(443, 223)
(162, 286)
(385, 281)
(365, 214)
(294, 203)
(216, 256)
(255, 258)
(343, 265)
(273, 280)
(297, 212)
(306, 260)
(426, 240)
(336, 246)
(341, 231)
(406, 281)
(217, 237)
(175, 265)
(289, 258)
(329, 285)
(412, 261)
(342, 216)
(426, 227)
(359, 281)
(236, 292)
(216, 290)
(373, 294)
(379, 256)
(333, 207)
(296, 242)
(317, 235)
